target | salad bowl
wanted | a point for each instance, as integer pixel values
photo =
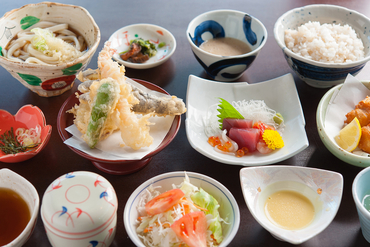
(27, 117)
(120, 40)
(322, 188)
(228, 209)
(108, 163)
(279, 93)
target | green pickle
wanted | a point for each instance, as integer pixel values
(106, 98)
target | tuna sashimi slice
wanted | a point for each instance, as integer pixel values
(245, 137)
(228, 123)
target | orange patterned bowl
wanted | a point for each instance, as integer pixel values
(27, 117)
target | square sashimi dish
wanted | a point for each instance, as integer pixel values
(244, 127)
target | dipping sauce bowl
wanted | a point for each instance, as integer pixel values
(13, 181)
(226, 23)
(80, 209)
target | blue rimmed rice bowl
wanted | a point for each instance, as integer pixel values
(321, 74)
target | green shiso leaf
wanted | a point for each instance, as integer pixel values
(227, 110)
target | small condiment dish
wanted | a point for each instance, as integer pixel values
(323, 188)
(17, 183)
(226, 23)
(120, 41)
(228, 209)
(80, 209)
(27, 117)
(280, 94)
(321, 74)
(44, 79)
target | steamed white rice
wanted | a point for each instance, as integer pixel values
(330, 43)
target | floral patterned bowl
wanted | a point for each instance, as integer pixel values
(48, 80)
(27, 117)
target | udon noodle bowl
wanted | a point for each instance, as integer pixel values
(47, 71)
(62, 45)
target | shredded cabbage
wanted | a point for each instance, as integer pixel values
(155, 230)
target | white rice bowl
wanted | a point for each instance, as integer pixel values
(329, 43)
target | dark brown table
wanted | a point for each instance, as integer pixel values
(57, 159)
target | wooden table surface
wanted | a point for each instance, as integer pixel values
(57, 159)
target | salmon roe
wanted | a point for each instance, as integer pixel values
(214, 141)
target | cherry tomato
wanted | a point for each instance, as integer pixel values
(192, 228)
(164, 201)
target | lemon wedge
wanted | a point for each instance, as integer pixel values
(349, 136)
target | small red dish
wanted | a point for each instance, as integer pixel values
(116, 167)
(28, 116)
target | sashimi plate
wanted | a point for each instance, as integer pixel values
(280, 94)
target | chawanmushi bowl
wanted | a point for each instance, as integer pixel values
(27, 117)
(323, 188)
(226, 23)
(80, 209)
(48, 80)
(320, 74)
(228, 209)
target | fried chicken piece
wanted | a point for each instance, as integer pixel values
(361, 111)
(364, 143)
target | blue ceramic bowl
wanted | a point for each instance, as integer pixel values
(320, 74)
(226, 23)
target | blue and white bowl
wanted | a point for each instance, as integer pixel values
(226, 23)
(320, 74)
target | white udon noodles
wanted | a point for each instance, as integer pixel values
(21, 50)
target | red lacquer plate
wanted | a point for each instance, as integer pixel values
(116, 167)
(28, 116)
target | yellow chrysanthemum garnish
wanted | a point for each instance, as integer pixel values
(273, 139)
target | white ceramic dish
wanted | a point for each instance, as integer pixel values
(279, 93)
(120, 40)
(228, 206)
(17, 183)
(323, 188)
